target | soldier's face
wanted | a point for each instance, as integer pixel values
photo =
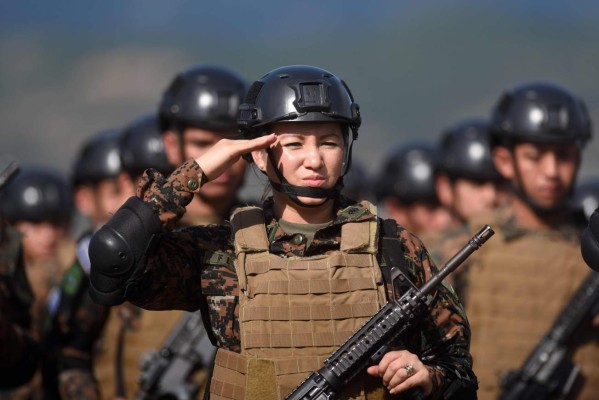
(100, 201)
(195, 143)
(472, 198)
(40, 239)
(109, 197)
(546, 172)
(308, 155)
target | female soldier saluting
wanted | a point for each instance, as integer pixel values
(282, 286)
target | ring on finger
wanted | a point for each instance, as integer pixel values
(410, 370)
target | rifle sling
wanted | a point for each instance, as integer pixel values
(393, 261)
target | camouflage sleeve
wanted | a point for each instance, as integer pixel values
(171, 278)
(168, 197)
(444, 345)
(79, 323)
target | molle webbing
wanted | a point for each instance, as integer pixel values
(294, 311)
(234, 368)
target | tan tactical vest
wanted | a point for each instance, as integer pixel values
(294, 312)
(148, 333)
(515, 291)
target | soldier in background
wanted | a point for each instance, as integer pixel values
(468, 186)
(405, 188)
(38, 204)
(19, 352)
(522, 278)
(77, 323)
(131, 333)
(467, 183)
(198, 109)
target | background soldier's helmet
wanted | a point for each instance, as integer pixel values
(357, 184)
(465, 151)
(142, 147)
(408, 174)
(37, 194)
(586, 198)
(540, 112)
(99, 158)
(300, 93)
(205, 97)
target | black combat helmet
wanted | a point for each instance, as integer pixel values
(465, 151)
(300, 93)
(142, 147)
(98, 159)
(205, 97)
(586, 198)
(408, 174)
(37, 194)
(540, 112)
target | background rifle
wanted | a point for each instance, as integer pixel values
(8, 169)
(369, 343)
(168, 373)
(549, 372)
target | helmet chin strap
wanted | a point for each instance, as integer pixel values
(294, 191)
(540, 210)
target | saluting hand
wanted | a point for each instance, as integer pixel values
(227, 152)
(402, 370)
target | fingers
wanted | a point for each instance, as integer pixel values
(259, 143)
(373, 370)
(402, 370)
(227, 152)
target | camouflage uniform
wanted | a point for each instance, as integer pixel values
(516, 285)
(18, 352)
(196, 265)
(76, 325)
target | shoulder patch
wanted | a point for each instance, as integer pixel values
(72, 280)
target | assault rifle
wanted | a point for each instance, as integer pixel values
(549, 372)
(168, 373)
(369, 343)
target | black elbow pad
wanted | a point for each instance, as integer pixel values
(115, 251)
(590, 242)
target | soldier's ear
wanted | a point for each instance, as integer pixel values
(503, 159)
(260, 158)
(444, 190)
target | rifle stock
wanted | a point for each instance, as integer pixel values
(369, 343)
